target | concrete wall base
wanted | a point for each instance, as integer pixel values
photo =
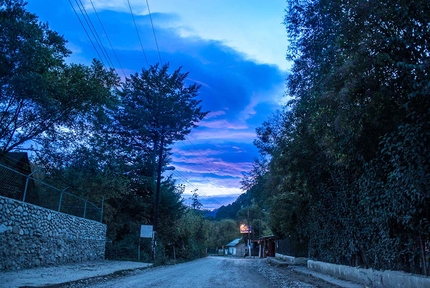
(292, 260)
(370, 277)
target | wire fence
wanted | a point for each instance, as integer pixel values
(291, 247)
(26, 188)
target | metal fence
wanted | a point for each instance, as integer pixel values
(292, 247)
(26, 188)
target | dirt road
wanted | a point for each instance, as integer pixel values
(213, 272)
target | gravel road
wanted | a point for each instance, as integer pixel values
(211, 272)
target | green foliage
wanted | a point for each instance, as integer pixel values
(349, 157)
(98, 137)
(222, 232)
(42, 97)
(150, 111)
(192, 231)
(195, 203)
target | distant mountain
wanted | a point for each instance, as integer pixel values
(211, 213)
(212, 202)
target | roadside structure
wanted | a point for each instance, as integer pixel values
(236, 248)
(266, 246)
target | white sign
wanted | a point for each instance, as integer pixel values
(146, 231)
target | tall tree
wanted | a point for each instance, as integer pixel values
(195, 202)
(40, 94)
(359, 81)
(349, 169)
(157, 108)
(158, 104)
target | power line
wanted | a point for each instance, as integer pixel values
(212, 169)
(183, 177)
(204, 177)
(86, 32)
(153, 31)
(137, 31)
(93, 31)
(107, 36)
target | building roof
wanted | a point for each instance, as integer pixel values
(17, 161)
(234, 242)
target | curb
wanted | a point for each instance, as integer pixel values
(276, 262)
(66, 275)
(327, 278)
(92, 279)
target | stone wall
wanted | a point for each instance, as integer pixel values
(32, 236)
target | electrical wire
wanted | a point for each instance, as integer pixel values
(137, 31)
(153, 31)
(94, 32)
(204, 177)
(86, 32)
(212, 169)
(107, 36)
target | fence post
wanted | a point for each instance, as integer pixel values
(61, 198)
(26, 184)
(101, 213)
(85, 207)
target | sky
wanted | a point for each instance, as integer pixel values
(235, 49)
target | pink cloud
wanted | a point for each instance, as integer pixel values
(198, 82)
(238, 136)
(214, 166)
(222, 124)
(214, 114)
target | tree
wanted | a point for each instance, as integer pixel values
(195, 203)
(348, 163)
(157, 105)
(360, 90)
(194, 231)
(222, 232)
(41, 95)
(157, 108)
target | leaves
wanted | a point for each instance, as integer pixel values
(40, 94)
(349, 168)
(92, 133)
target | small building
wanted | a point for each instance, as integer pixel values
(236, 248)
(266, 246)
(14, 168)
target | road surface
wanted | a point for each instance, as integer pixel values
(206, 272)
(212, 272)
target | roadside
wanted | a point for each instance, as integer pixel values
(300, 276)
(97, 273)
(61, 275)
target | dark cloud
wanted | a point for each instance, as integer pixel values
(239, 92)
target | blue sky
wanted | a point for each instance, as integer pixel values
(234, 49)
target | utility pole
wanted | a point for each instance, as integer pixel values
(158, 188)
(157, 196)
(249, 238)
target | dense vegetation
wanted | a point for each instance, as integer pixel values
(98, 136)
(344, 166)
(349, 169)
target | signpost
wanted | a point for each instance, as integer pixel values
(245, 229)
(146, 231)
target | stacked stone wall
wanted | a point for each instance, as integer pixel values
(32, 236)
